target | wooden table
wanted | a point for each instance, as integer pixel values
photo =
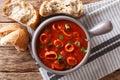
(19, 65)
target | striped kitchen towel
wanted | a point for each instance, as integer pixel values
(105, 52)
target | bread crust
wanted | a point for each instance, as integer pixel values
(42, 9)
(5, 30)
(35, 19)
(70, 7)
(22, 40)
(15, 36)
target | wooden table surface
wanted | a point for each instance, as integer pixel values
(19, 65)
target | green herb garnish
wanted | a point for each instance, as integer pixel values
(83, 50)
(41, 46)
(47, 30)
(61, 37)
(59, 57)
(71, 42)
(60, 60)
(63, 64)
(67, 26)
(57, 46)
(78, 43)
(49, 44)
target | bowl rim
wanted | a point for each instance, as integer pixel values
(35, 37)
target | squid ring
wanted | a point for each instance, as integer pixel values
(66, 34)
(58, 43)
(57, 66)
(43, 38)
(51, 55)
(63, 31)
(53, 26)
(69, 47)
(71, 61)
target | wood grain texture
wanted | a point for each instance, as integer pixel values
(89, 1)
(113, 76)
(14, 61)
(21, 76)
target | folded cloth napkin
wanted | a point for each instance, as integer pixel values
(105, 52)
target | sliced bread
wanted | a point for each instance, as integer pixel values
(22, 12)
(14, 35)
(71, 7)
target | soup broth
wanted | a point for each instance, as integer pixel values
(62, 45)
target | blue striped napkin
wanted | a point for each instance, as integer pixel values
(105, 52)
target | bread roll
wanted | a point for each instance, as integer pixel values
(14, 35)
(6, 30)
(71, 7)
(22, 12)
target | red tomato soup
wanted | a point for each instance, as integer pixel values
(62, 45)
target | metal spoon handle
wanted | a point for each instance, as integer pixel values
(101, 28)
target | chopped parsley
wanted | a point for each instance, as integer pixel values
(47, 30)
(61, 60)
(57, 46)
(49, 44)
(63, 64)
(41, 46)
(61, 37)
(83, 50)
(67, 26)
(78, 43)
(71, 42)
(59, 57)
